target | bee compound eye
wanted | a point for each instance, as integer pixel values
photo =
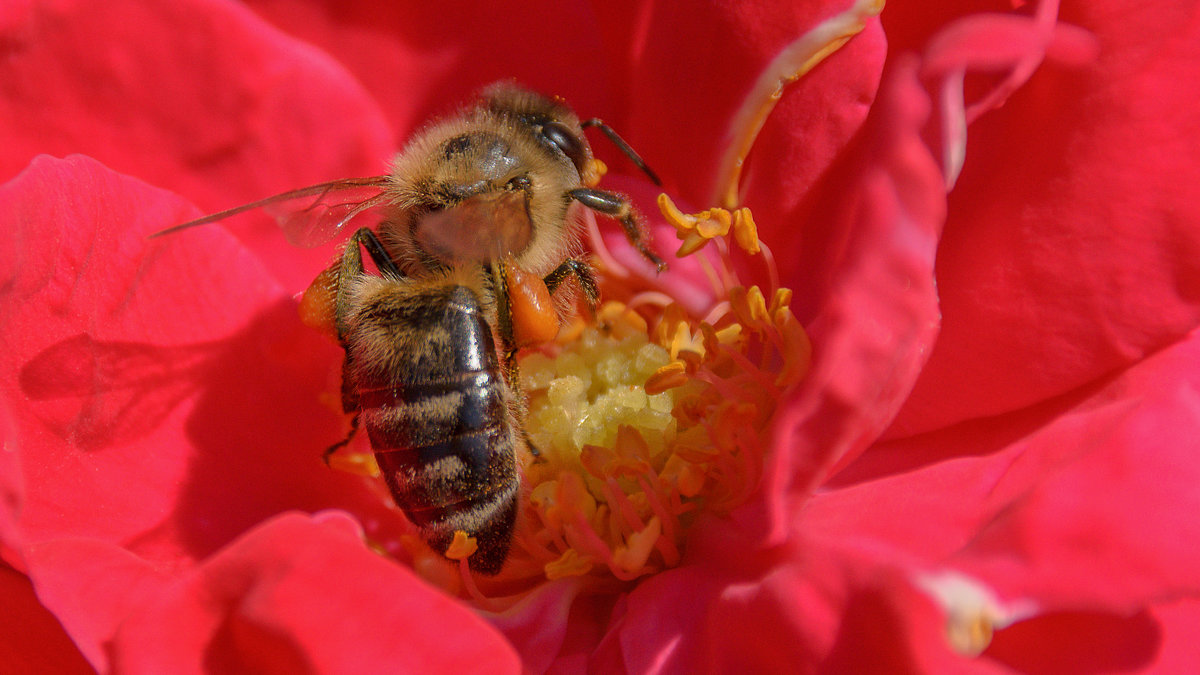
(564, 139)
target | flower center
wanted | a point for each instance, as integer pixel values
(644, 417)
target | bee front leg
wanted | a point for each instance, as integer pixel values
(617, 206)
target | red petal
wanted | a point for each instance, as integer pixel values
(1178, 652)
(31, 639)
(1080, 507)
(816, 122)
(156, 405)
(306, 595)
(198, 96)
(91, 586)
(877, 310)
(537, 625)
(424, 59)
(1079, 642)
(106, 335)
(1109, 519)
(12, 491)
(687, 67)
(1070, 247)
(810, 604)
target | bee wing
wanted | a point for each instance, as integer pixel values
(309, 216)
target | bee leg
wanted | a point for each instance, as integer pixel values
(534, 453)
(331, 450)
(379, 255)
(617, 206)
(622, 146)
(349, 405)
(504, 320)
(583, 272)
(351, 266)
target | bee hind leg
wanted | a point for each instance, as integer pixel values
(332, 450)
(379, 255)
(351, 266)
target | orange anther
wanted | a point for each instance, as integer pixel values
(462, 546)
(633, 555)
(680, 220)
(672, 375)
(569, 564)
(745, 232)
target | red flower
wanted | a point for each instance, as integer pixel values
(991, 471)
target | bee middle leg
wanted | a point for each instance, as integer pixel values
(618, 206)
(498, 273)
(582, 272)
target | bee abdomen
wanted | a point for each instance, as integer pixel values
(451, 475)
(467, 483)
(439, 421)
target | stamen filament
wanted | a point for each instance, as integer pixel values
(655, 298)
(481, 600)
(793, 62)
(717, 312)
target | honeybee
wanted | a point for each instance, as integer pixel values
(475, 237)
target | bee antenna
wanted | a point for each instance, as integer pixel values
(622, 146)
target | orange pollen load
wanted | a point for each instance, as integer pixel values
(318, 304)
(535, 319)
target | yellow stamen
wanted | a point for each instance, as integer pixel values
(714, 223)
(633, 555)
(749, 305)
(692, 241)
(973, 610)
(684, 474)
(648, 417)
(970, 635)
(697, 230)
(680, 220)
(620, 320)
(782, 300)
